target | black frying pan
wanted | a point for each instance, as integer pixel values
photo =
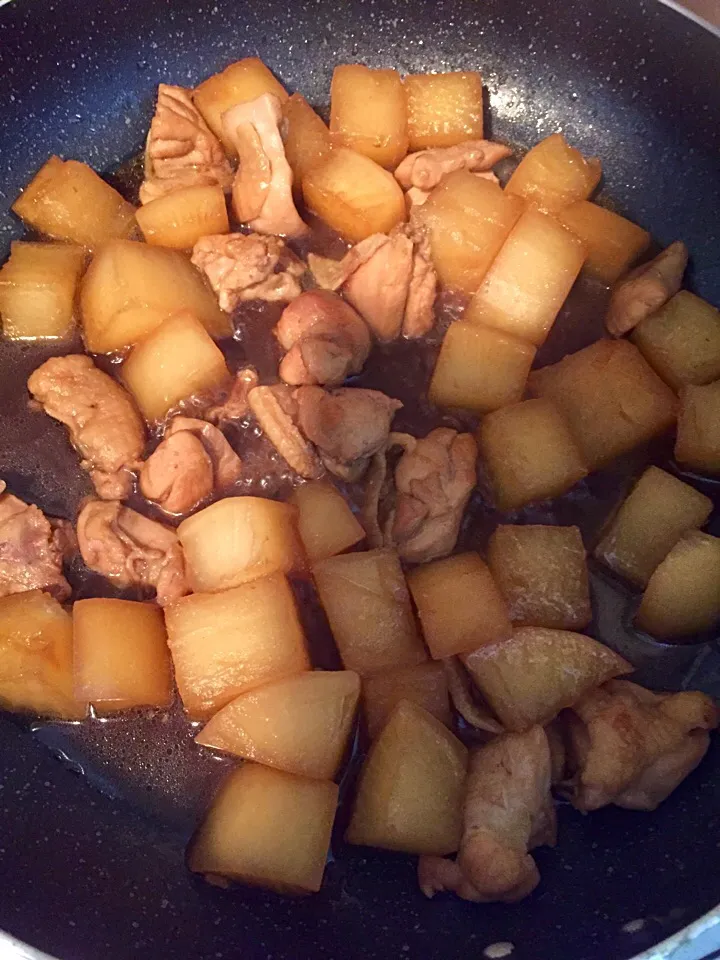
(92, 866)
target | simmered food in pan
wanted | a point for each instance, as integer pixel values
(296, 366)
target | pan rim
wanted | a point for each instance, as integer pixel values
(678, 946)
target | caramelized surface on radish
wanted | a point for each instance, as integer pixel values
(225, 643)
(178, 359)
(37, 290)
(411, 787)
(69, 201)
(553, 175)
(299, 724)
(459, 605)
(121, 655)
(444, 108)
(130, 288)
(180, 218)
(36, 657)
(239, 539)
(267, 828)
(368, 112)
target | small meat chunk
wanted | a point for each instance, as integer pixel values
(390, 280)
(193, 461)
(420, 510)
(235, 406)
(276, 411)
(244, 267)
(32, 549)
(629, 746)
(348, 426)
(131, 550)
(508, 812)
(647, 288)
(181, 150)
(105, 427)
(425, 170)
(325, 339)
(262, 189)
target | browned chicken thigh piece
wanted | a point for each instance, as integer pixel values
(647, 288)
(629, 746)
(508, 812)
(325, 339)
(425, 169)
(131, 550)
(420, 509)
(235, 404)
(244, 267)
(389, 280)
(105, 427)
(32, 549)
(181, 150)
(193, 461)
(262, 189)
(276, 410)
(347, 426)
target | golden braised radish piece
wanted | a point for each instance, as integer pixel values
(181, 149)
(326, 524)
(248, 267)
(419, 510)
(69, 201)
(325, 339)
(262, 189)
(444, 108)
(32, 549)
(423, 684)
(390, 280)
(529, 678)
(646, 289)
(629, 746)
(348, 426)
(131, 550)
(681, 342)
(104, 425)
(424, 170)
(36, 657)
(193, 461)
(698, 431)
(508, 811)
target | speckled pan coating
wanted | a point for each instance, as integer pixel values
(84, 875)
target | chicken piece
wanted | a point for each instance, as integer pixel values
(421, 512)
(647, 288)
(425, 170)
(419, 316)
(181, 151)
(244, 267)
(325, 339)
(390, 280)
(193, 461)
(276, 411)
(32, 549)
(348, 426)
(105, 427)
(235, 406)
(262, 189)
(508, 812)
(629, 746)
(131, 549)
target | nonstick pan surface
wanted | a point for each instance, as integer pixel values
(91, 848)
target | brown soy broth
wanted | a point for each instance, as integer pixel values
(149, 757)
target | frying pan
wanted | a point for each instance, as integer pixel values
(91, 848)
